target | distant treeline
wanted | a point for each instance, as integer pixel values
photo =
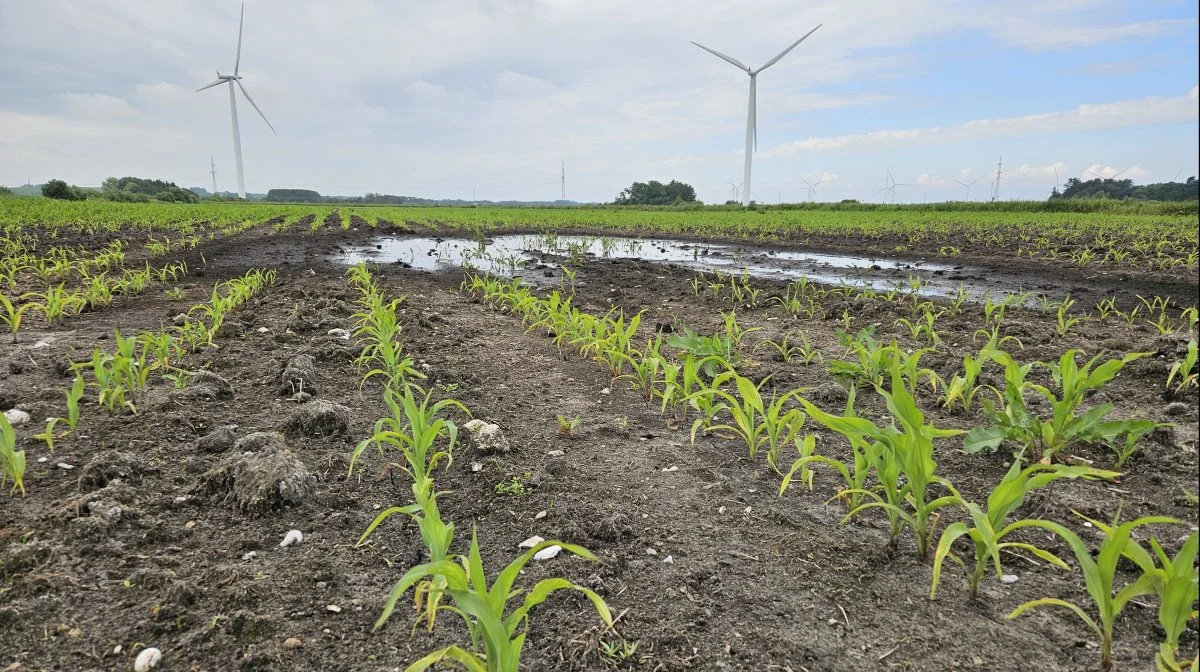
(135, 189)
(1128, 206)
(1122, 189)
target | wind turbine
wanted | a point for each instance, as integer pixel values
(751, 127)
(968, 185)
(1098, 177)
(235, 78)
(812, 187)
(733, 190)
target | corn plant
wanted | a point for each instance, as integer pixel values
(1184, 369)
(57, 302)
(987, 528)
(901, 455)
(72, 419)
(1067, 425)
(787, 351)
(494, 625)
(1099, 575)
(753, 420)
(962, 389)
(12, 461)
(1176, 582)
(12, 315)
(712, 350)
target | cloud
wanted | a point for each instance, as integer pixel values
(1047, 174)
(1120, 114)
(1109, 172)
(821, 176)
(1041, 37)
(927, 180)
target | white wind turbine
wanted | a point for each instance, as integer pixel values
(235, 78)
(751, 128)
(968, 185)
(812, 187)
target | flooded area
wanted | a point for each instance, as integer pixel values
(529, 256)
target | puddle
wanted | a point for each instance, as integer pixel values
(527, 256)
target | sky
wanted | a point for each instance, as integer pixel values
(488, 99)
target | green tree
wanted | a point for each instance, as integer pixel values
(657, 193)
(62, 191)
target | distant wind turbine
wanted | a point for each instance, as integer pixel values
(1100, 177)
(968, 185)
(734, 188)
(751, 127)
(235, 78)
(812, 187)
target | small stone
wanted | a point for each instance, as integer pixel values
(333, 608)
(541, 514)
(180, 319)
(339, 333)
(1009, 578)
(182, 499)
(74, 632)
(670, 469)
(476, 467)
(651, 551)
(606, 391)
(720, 509)
(190, 524)
(747, 511)
(292, 643)
(547, 553)
(556, 453)
(292, 538)
(250, 555)
(64, 465)
(486, 437)
(16, 416)
(118, 649)
(669, 560)
(147, 660)
(263, 330)
(43, 459)
(531, 542)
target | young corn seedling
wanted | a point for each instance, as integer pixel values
(1184, 369)
(753, 420)
(962, 389)
(901, 455)
(72, 419)
(494, 625)
(1099, 575)
(787, 351)
(1066, 425)
(12, 461)
(1176, 582)
(567, 425)
(12, 315)
(988, 528)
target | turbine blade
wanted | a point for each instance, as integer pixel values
(237, 60)
(209, 86)
(255, 106)
(783, 53)
(723, 57)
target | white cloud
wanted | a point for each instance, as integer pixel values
(1109, 172)
(927, 180)
(1048, 174)
(1120, 114)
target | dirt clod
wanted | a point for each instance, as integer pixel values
(219, 440)
(299, 375)
(319, 418)
(261, 481)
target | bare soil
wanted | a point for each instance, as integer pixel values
(128, 538)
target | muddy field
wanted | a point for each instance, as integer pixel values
(128, 536)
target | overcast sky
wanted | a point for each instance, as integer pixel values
(437, 98)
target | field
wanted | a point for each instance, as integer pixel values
(738, 472)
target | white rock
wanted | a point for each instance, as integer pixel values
(669, 560)
(721, 509)
(64, 465)
(250, 555)
(747, 511)
(16, 417)
(547, 552)
(263, 330)
(1009, 578)
(476, 467)
(606, 391)
(541, 514)
(531, 542)
(556, 453)
(333, 608)
(147, 660)
(651, 551)
(339, 333)
(43, 459)
(671, 468)
(292, 538)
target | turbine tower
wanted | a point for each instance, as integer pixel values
(235, 78)
(751, 127)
